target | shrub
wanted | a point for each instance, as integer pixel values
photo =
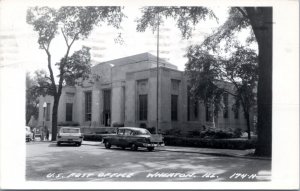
(237, 132)
(92, 137)
(194, 133)
(216, 134)
(74, 124)
(151, 130)
(172, 131)
(143, 125)
(116, 124)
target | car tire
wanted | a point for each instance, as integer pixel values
(150, 148)
(107, 145)
(123, 148)
(134, 147)
(58, 143)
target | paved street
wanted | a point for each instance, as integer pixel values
(47, 162)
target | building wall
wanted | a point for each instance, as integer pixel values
(123, 81)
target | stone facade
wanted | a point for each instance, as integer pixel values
(126, 93)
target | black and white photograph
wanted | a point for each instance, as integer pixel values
(150, 93)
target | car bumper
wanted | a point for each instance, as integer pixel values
(69, 140)
(153, 144)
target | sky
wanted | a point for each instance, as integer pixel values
(21, 45)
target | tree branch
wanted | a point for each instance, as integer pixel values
(242, 12)
(50, 70)
(66, 39)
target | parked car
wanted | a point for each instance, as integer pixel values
(133, 137)
(69, 135)
(29, 134)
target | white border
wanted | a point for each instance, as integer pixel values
(285, 163)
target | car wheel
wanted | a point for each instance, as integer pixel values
(123, 148)
(58, 143)
(134, 147)
(79, 144)
(107, 145)
(150, 148)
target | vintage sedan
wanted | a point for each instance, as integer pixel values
(69, 135)
(133, 137)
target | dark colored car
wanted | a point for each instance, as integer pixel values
(133, 137)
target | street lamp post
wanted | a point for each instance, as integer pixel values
(111, 93)
(157, 76)
(44, 110)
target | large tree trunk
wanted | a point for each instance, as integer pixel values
(54, 117)
(261, 21)
(247, 117)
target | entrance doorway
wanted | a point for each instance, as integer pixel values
(106, 119)
(107, 107)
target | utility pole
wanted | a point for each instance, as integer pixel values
(157, 76)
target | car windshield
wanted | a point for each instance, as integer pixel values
(143, 132)
(67, 130)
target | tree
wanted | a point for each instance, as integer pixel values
(74, 23)
(36, 86)
(260, 21)
(31, 98)
(209, 74)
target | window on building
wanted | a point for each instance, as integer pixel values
(208, 113)
(88, 106)
(69, 111)
(225, 109)
(196, 109)
(175, 84)
(143, 107)
(236, 112)
(188, 108)
(106, 119)
(48, 111)
(174, 107)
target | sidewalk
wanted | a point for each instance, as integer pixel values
(209, 151)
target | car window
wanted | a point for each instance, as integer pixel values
(143, 132)
(64, 130)
(135, 133)
(127, 132)
(121, 131)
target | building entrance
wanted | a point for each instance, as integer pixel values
(107, 107)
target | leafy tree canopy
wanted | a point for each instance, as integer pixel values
(73, 23)
(186, 17)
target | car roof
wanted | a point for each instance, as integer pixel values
(133, 128)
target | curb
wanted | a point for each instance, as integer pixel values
(199, 152)
(220, 154)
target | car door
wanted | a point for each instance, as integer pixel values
(126, 138)
(117, 139)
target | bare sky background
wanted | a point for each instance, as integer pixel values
(21, 41)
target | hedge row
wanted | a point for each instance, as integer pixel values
(92, 137)
(239, 144)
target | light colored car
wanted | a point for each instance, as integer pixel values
(133, 137)
(29, 134)
(69, 135)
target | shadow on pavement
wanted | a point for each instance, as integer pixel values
(62, 145)
(129, 150)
